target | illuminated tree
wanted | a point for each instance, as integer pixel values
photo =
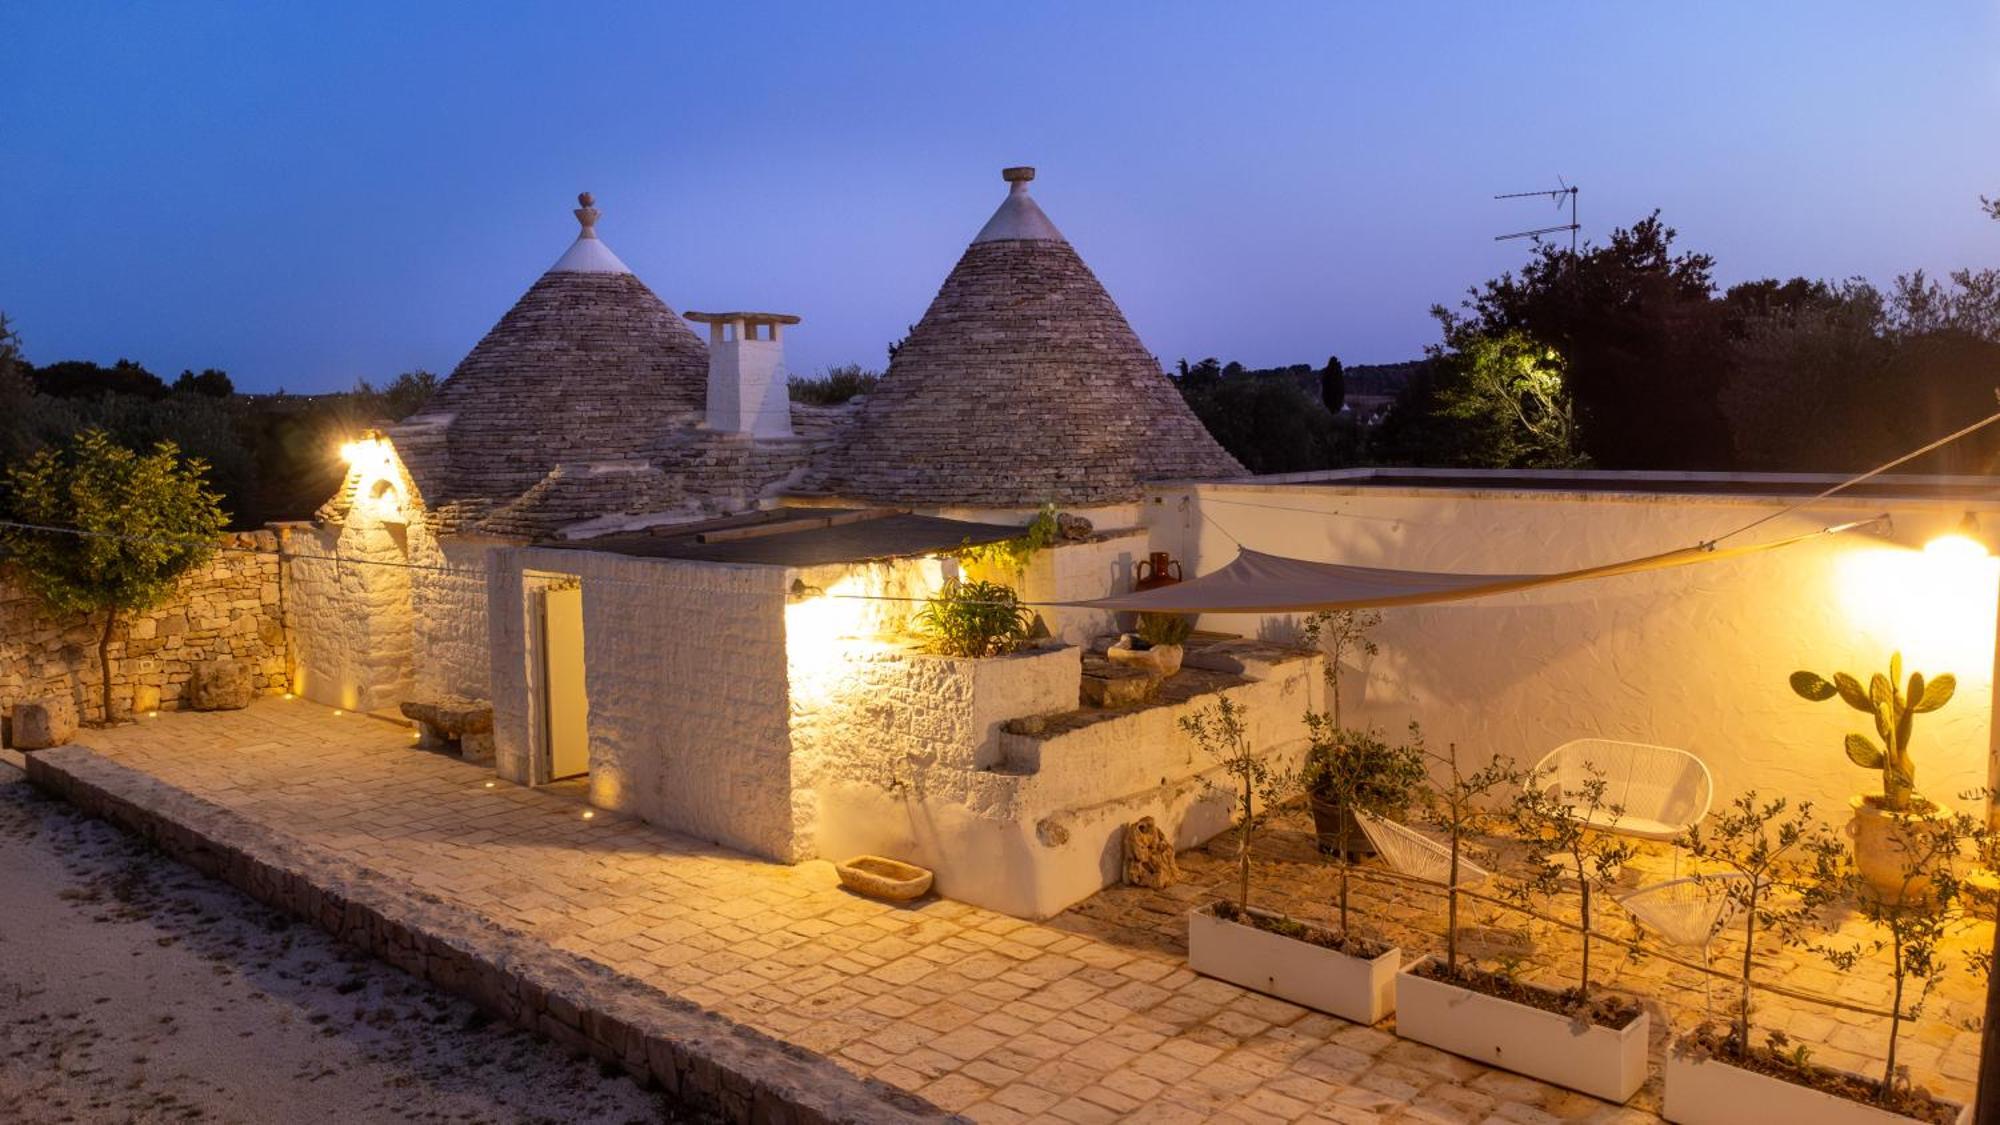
(135, 523)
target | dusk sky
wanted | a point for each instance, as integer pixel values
(304, 195)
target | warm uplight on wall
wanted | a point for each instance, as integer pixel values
(1963, 543)
(1935, 605)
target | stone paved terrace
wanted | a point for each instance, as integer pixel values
(1092, 1016)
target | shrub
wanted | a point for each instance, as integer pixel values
(838, 385)
(974, 619)
(1165, 628)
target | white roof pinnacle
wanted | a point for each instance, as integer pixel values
(1019, 217)
(588, 254)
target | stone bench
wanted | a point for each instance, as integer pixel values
(463, 725)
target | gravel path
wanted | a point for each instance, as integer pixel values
(134, 989)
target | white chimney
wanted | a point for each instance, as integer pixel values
(746, 373)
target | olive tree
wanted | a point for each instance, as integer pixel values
(101, 529)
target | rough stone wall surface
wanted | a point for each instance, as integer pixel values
(451, 653)
(685, 680)
(904, 754)
(1022, 384)
(228, 609)
(348, 609)
(1696, 657)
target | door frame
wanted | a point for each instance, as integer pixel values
(541, 749)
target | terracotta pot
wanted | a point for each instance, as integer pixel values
(1878, 851)
(1326, 825)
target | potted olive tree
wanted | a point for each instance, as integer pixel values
(1572, 1037)
(1881, 819)
(1781, 870)
(1339, 634)
(1265, 950)
(1341, 972)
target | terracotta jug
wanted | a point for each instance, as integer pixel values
(1158, 570)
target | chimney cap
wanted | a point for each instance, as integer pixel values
(745, 317)
(1019, 174)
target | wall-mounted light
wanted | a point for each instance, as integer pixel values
(1966, 541)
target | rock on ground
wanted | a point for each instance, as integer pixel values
(134, 989)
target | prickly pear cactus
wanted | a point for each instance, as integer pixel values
(1894, 707)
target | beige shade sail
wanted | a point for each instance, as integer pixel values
(1259, 583)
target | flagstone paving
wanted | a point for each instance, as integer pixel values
(1092, 1016)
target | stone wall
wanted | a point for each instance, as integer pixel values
(228, 609)
(348, 607)
(684, 670)
(450, 649)
(1695, 657)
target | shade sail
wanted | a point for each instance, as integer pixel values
(1259, 583)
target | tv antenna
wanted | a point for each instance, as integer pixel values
(1561, 194)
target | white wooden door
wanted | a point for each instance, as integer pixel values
(567, 709)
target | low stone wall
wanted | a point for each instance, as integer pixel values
(228, 609)
(701, 1058)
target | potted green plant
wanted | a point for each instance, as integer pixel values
(1265, 950)
(1911, 920)
(1880, 820)
(1571, 1037)
(1338, 633)
(974, 619)
(1354, 771)
(1780, 869)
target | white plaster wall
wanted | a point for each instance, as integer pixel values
(686, 681)
(904, 756)
(349, 618)
(1695, 657)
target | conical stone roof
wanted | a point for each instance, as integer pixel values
(588, 366)
(1023, 384)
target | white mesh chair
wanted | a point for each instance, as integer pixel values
(1412, 853)
(1661, 791)
(1687, 912)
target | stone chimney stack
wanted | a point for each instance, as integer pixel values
(747, 393)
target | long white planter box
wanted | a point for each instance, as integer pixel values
(1322, 979)
(1712, 1092)
(1527, 1040)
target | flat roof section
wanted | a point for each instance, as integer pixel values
(1888, 486)
(801, 537)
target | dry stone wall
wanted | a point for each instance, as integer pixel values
(229, 609)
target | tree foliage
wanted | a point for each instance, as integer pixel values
(1266, 420)
(1498, 401)
(1645, 347)
(140, 521)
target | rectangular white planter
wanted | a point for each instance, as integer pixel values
(1527, 1040)
(1322, 979)
(1712, 1092)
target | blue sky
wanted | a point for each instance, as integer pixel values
(307, 194)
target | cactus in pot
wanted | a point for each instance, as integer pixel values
(1894, 708)
(1883, 825)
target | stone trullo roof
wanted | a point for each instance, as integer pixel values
(582, 404)
(1022, 384)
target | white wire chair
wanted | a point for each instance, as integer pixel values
(1412, 853)
(1661, 791)
(1687, 912)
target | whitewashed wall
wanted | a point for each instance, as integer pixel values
(349, 617)
(684, 671)
(1695, 657)
(449, 646)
